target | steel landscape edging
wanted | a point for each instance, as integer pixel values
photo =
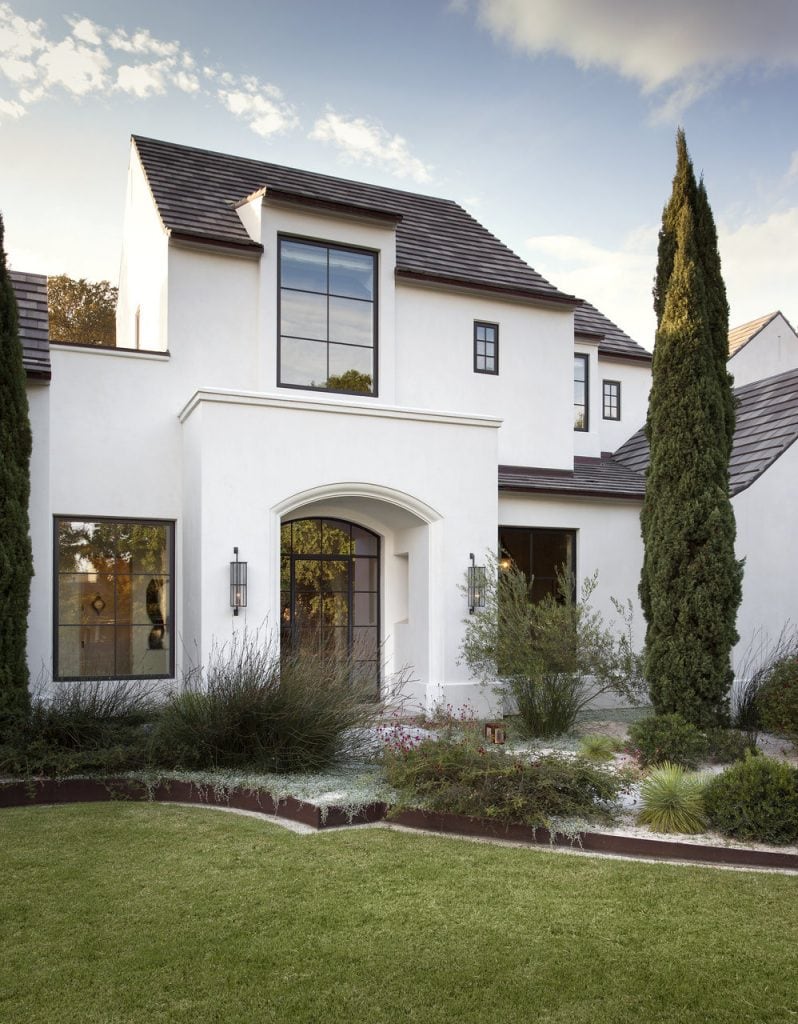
(92, 790)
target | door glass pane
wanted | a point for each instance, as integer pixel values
(334, 576)
(335, 537)
(365, 610)
(366, 574)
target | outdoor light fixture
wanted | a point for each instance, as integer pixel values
(238, 584)
(476, 586)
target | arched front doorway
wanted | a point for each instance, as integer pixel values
(330, 591)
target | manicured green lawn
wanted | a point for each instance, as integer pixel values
(143, 913)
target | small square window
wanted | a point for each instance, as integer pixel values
(611, 399)
(486, 347)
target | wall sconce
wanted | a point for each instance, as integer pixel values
(476, 586)
(238, 584)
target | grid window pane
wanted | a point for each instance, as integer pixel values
(327, 295)
(611, 392)
(581, 392)
(114, 599)
(486, 348)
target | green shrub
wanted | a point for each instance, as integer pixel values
(728, 745)
(761, 657)
(459, 777)
(660, 738)
(755, 799)
(82, 727)
(598, 748)
(673, 800)
(251, 709)
(552, 657)
(778, 699)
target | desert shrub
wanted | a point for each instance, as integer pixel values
(755, 799)
(760, 659)
(778, 699)
(728, 745)
(673, 800)
(460, 777)
(660, 738)
(87, 726)
(252, 709)
(598, 748)
(551, 657)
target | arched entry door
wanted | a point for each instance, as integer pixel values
(330, 591)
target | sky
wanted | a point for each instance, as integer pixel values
(552, 121)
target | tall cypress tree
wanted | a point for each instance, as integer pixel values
(16, 566)
(690, 585)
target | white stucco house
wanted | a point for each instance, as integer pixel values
(353, 389)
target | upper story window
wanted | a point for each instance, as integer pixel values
(486, 347)
(114, 598)
(328, 317)
(611, 399)
(581, 409)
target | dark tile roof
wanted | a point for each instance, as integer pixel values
(614, 342)
(196, 192)
(31, 294)
(591, 478)
(767, 424)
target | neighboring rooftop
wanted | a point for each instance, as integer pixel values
(31, 294)
(437, 241)
(739, 336)
(767, 424)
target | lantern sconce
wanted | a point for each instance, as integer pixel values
(476, 586)
(238, 584)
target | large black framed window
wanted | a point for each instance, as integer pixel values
(330, 592)
(611, 399)
(114, 598)
(542, 554)
(581, 392)
(327, 317)
(486, 347)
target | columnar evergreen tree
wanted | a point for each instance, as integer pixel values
(691, 583)
(15, 548)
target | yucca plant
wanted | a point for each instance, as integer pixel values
(673, 800)
(598, 748)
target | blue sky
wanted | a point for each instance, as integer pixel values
(552, 121)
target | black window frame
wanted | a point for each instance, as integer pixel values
(532, 531)
(171, 526)
(605, 397)
(324, 243)
(585, 359)
(495, 343)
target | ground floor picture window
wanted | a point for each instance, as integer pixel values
(114, 598)
(330, 591)
(541, 554)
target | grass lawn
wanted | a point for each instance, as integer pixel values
(145, 913)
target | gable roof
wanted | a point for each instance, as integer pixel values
(196, 192)
(740, 336)
(31, 295)
(766, 426)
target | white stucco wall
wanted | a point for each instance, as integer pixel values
(533, 391)
(40, 615)
(143, 268)
(635, 380)
(767, 537)
(772, 351)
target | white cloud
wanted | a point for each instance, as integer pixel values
(74, 67)
(86, 31)
(186, 82)
(141, 80)
(760, 266)
(142, 42)
(617, 281)
(680, 48)
(792, 171)
(369, 143)
(260, 105)
(10, 110)
(20, 41)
